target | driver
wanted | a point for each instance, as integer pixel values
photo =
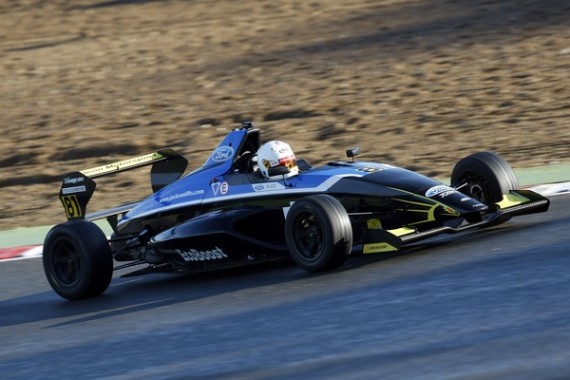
(274, 154)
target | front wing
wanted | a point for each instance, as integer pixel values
(516, 203)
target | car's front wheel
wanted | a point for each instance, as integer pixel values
(484, 176)
(77, 260)
(318, 233)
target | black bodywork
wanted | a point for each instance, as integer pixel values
(225, 214)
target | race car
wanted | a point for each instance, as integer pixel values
(252, 203)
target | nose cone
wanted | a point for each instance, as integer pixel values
(465, 204)
(455, 199)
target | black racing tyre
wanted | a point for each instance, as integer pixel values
(484, 176)
(318, 233)
(77, 260)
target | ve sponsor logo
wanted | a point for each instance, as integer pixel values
(221, 188)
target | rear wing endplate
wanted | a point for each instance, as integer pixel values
(78, 187)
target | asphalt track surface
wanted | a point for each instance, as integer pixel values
(492, 304)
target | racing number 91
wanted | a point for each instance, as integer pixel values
(71, 205)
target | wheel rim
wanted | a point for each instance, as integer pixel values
(65, 262)
(308, 235)
(476, 187)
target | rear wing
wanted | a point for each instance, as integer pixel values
(78, 187)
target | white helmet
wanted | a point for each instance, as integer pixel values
(274, 154)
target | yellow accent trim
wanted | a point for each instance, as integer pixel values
(401, 231)
(511, 200)
(374, 224)
(450, 211)
(71, 206)
(433, 205)
(122, 165)
(416, 203)
(378, 247)
(430, 212)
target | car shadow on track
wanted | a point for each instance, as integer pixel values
(133, 294)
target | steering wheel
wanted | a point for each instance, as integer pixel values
(251, 163)
(243, 162)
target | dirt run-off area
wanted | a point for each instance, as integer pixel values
(417, 84)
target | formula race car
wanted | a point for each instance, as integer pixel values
(252, 203)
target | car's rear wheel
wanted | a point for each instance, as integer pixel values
(484, 176)
(77, 260)
(318, 233)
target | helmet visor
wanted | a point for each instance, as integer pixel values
(289, 162)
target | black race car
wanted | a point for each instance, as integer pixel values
(227, 214)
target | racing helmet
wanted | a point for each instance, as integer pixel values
(274, 154)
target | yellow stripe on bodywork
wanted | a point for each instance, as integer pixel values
(378, 247)
(429, 211)
(402, 231)
(374, 224)
(510, 200)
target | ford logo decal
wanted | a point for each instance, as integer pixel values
(438, 190)
(223, 153)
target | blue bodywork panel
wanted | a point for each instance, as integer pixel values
(219, 181)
